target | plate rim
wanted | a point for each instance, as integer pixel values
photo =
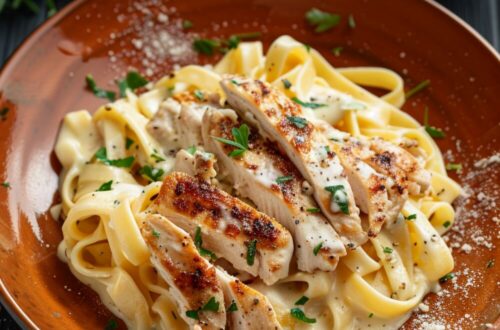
(6, 299)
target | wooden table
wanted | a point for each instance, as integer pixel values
(483, 15)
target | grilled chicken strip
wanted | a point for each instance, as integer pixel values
(251, 241)
(246, 308)
(283, 121)
(192, 280)
(254, 175)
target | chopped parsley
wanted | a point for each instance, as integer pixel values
(432, 131)
(490, 263)
(193, 314)
(297, 121)
(446, 224)
(151, 173)
(206, 46)
(132, 81)
(187, 24)
(313, 210)
(111, 325)
(235, 39)
(240, 141)
(411, 217)
(299, 315)
(351, 22)
(156, 233)
(446, 277)
(302, 301)
(310, 105)
(337, 50)
(99, 92)
(251, 250)
(102, 156)
(286, 83)
(283, 179)
(157, 157)
(128, 143)
(191, 150)
(454, 167)
(388, 250)
(212, 305)
(6, 184)
(321, 20)
(317, 248)
(233, 307)
(210, 46)
(198, 242)
(199, 95)
(106, 186)
(339, 196)
(421, 86)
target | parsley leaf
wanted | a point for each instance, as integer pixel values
(283, 179)
(212, 305)
(299, 315)
(157, 157)
(337, 50)
(388, 250)
(317, 248)
(286, 83)
(233, 307)
(297, 121)
(206, 46)
(99, 92)
(421, 86)
(432, 131)
(240, 141)
(235, 39)
(322, 20)
(446, 277)
(128, 143)
(106, 186)
(251, 250)
(187, 24)
(6, 184)
(446, 224)
(302, 301)
(191, 150)
(411, 217)
(132, 81)
(313, 210)
(199, 95)
(310, 105)
(339, 196)
(198, 242)
(101, 155)
(156, 233)
(193, 314)
(151, 173)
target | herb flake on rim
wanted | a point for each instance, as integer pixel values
(99, 92)
(454, 167)
(321, 20)
(132, 81)
(418, 88)
(431, 130)
(446, 277)
(206, 46)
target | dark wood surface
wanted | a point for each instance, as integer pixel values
(15, 26)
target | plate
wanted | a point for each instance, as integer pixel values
(45, 79)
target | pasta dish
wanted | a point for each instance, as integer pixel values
(266, 192)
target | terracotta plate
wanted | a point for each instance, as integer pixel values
(45, 79)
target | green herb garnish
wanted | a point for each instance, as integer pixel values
(446, 278)
(235, 39)
(421, 86)
(206, 46)
(307, 47)
(187, 24)
(411, 217)
(240, 141)
(283, 179)
(193, 314)
(151, 173)
(132, 81)
(128, 143)
(337, 50)
(351, 22)
(6, 184)
(251, 250)
(101, 155)
(198, 242)
(339, 196)
(302, 301)
(446, 224)
(432, 131)
(212, 305)
(191, 150)
(310, 105)
(286, 83)
(199, 95)
(233, 307)
(157, 157)
(317, 248)
(490, 263)
(313, 210)
(388, 250)
(321, 20)
(297, 121)
(106, 186)
(99, 92)
(299, 315)
(454, 167)
(156, 233)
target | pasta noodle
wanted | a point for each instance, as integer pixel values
(103, 245)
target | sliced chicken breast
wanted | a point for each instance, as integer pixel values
(283, 121)
(257, 174)
(192, 280)
(246, 308)
(251, 241)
